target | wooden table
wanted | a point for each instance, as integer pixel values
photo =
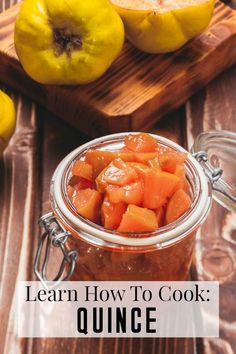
(41, 140)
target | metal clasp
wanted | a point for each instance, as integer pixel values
(54, 235)
(213, 174)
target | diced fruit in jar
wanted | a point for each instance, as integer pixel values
(144, 157)
(82, 169)
(137, 219)
(154, 163)
(100, 159)
(111, 213)
(140, 168)
(117, 173)
(77, 183)
(179, 203)
(88, 202)
(142, 142)
(129, 194)
(160, 215)
(183, 183)
(80, 183)
(169, 160)
(139, 187)
(70, 191)
(158, 187)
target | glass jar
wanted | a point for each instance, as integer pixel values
(94, 253)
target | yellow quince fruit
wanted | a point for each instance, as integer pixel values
(67, 42)
(7, 120)
(160, 26)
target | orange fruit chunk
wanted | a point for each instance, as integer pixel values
(160, 215)
(87, 203)
(82, 169)
(154, 163)
(80, 183)
(100, 159)
(144, 157)
(117, 173)
(158, 187)
(137, 219)
(143, 175)
(170, 159)
(183, 183)
(129, 194)
(112, 213)
(70, 191)
(140, 168)
(179, 203)
(142, 142)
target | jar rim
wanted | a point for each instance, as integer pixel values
(184, 225)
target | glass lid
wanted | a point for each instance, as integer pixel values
(216, 152)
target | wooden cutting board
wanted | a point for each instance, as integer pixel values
(138, 88)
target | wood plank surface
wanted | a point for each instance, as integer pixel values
(215, 108)
(18, 207)
(155, 83)
(40, 142)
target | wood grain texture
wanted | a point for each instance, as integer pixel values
(138, 88)
(215, 108)
(17, 220)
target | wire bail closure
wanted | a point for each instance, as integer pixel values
(54, 235)
(213, 174)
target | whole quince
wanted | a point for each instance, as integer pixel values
(7, 120)
(160, 26)
(67, 42)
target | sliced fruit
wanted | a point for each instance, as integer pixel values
(165, 25)
(82, 169)
(70, 191)
(112, 213)
(137, 219)
(162, 149)
(154, 163)
(140, 168)
(183, 183)
(87, 203)
(129, 194)
(142, 142)
(170, 160)
(179, 203)
(80, 183)
(144, 157)
(120, 178)
(158, 187)
(117, 173)
(100, 159)
(124, 149)
(160, 215)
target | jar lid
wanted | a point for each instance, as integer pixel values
(215, 150)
